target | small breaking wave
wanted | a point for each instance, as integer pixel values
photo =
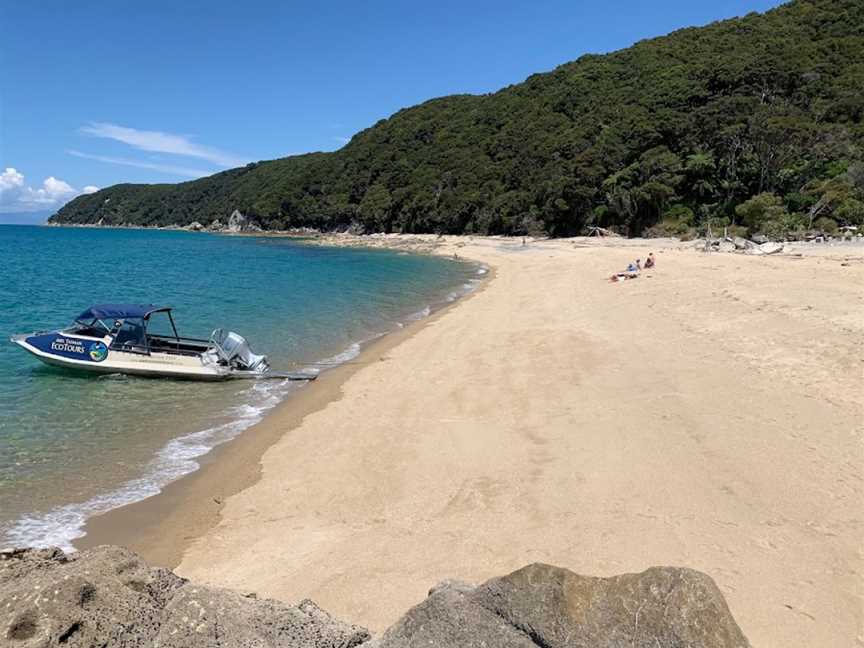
(421, 314)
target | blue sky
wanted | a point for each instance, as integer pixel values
(96, 93)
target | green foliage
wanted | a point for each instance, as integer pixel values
(850, 212)
(680, 214)
(375, 207)
(758, 210)
(736, 230)
(706, 119)
(678, 221)
(827, 225)
(784, 225)
(799, 202)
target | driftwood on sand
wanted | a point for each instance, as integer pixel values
(602, 231)
(739, 245)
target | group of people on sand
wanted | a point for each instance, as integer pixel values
(633, 269)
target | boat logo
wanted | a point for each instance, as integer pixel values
(98, 351)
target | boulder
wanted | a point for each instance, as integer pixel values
(542, 605)
(216, 226)
(771, 247)
(453, 584)
(194, 226)
(237, 223)
(107, 596)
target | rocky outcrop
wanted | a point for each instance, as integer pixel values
(550, 607)
(109, 597)
(237, 223)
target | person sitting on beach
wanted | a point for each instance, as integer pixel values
(631, 272)
(649, 262)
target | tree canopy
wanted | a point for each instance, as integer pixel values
(754, 122)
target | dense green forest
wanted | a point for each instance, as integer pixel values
(754, 122)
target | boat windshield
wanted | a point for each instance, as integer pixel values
(96, 328)
(130, 336)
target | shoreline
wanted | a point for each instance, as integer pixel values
(706, 415)
(160, 527)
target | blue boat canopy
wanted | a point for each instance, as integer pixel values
(121, 311)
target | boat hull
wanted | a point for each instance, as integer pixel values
(60, 349)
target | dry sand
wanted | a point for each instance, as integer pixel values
(708, 414)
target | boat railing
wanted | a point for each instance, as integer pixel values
(177, 345)
(177, 337)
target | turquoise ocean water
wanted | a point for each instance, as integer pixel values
(74, 445)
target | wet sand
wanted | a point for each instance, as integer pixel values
(708, 414)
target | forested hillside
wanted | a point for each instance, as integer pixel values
(755, 122)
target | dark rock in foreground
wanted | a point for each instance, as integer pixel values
(109, 597)
(542, 605)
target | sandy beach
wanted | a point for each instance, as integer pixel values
(708, 414)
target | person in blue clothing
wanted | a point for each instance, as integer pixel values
(631, 272)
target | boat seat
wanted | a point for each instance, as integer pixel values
(90, 331)
(129, 335)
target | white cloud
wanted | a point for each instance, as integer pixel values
(159, 142)
(341, 139)
(54, 189)
(10, 179)
(164, 168)
(17, 196)
(90, 189)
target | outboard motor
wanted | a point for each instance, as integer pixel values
(234, 351)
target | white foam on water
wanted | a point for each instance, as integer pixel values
(340, 358)
(463, 290)
(421, 314)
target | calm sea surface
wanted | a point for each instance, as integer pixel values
(74, 445)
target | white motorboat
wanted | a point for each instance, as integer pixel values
(119, 338)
